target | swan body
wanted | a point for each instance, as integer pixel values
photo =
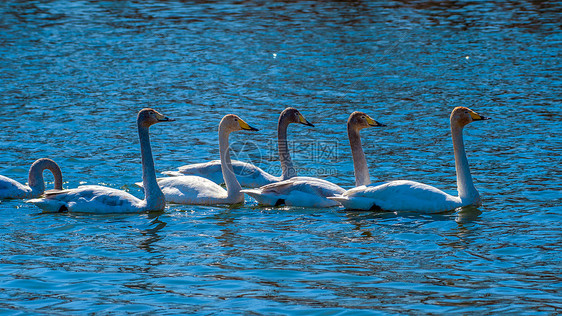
(410, 196)
(91, 199)
(399, 195)
(11, 189)
(198, 190)
(249, 175)
(297, 191)
(102, 200)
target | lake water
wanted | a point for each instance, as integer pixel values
(73, 74)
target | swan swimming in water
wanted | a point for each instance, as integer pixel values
(198, 190)
(100, 199)
(410, 196)
(11, 189)
(309, 191)
(249, 175)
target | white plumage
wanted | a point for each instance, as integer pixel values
(297, 191)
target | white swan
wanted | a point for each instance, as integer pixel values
(313, 192)
(198, 190)
(99, 199)
(410, 196)
(248, 175)
(11, 189)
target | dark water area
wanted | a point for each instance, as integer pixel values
(73, 75)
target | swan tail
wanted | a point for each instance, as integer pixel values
(251, 192)
(263, 199)
(338, 198)
(355, 203)
(49, 205)
(173, 173)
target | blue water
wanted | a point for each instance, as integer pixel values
(73, 74)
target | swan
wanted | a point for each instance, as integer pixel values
(410, 196)
(201, 191)
(11, 189)
(248, 175)
(100, 199)
(309, 191)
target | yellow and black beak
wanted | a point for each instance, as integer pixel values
(372, 122)
(162, 118)
(245, 126)
(477, 117)
(302, 120)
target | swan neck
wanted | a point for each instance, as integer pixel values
(35, 177)
(360, 167)
(287, 167)
(465, 186)
(153, 195)
(232, 185)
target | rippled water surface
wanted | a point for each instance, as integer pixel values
(73, 74)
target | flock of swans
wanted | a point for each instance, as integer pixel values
(200, 184)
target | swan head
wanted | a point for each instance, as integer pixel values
(148, 117)
(462, 116)
(232, 123)
(293, 115)
(359, 120)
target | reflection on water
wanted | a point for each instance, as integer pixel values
(74, 74)
(467, 214)
(152, 234)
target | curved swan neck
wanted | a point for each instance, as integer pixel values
(465, 186)
(232, 185)
(153, 195)
(288, 170)
(360, 167)
(35, 177)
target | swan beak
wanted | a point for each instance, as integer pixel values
(162, 118)
(372, 122)
(302, 120)
(245, 126)
(477, 117)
